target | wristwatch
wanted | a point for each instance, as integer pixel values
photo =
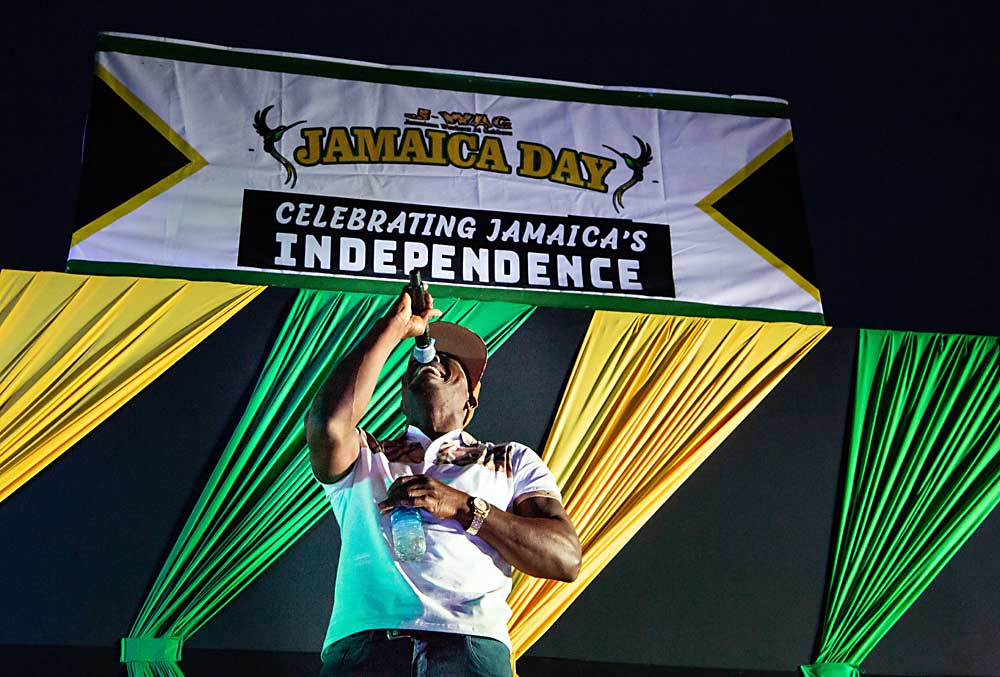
(481, 509)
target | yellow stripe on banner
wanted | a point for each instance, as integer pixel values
(74, 348)
(161, 186)
(706, 204)
(649, 399)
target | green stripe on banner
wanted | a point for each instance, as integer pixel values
(554, 91)
(922, 473)
(520, 296)
(261, 496)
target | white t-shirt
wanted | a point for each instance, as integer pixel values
(461, 583)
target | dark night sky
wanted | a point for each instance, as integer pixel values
(894, 114)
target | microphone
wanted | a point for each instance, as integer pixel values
(424, 351)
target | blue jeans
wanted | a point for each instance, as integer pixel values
(411, 653)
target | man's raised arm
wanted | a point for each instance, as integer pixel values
(332, 420)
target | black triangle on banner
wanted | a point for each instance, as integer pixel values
(762, 205)
(128, 157)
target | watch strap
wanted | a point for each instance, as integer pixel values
(478, 516)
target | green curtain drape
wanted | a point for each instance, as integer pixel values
(261, 495)
(922, 474)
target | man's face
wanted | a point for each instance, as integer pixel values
(436, 394)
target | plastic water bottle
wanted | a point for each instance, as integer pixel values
(407, 534)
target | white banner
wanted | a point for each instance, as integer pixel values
(212, 163)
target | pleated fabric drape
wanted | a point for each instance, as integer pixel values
(261, 496)
(74, 348)
(649, 398)
(922, 473)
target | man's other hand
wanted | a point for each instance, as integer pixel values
(437, 498)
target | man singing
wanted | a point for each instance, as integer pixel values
(486, 509)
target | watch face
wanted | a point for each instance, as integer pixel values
(480, 504)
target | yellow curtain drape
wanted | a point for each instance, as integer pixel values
(649, 398)
(74, 348)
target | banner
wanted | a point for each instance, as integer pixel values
(206, 162)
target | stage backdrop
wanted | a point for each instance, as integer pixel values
(205, 162)
(338, 185)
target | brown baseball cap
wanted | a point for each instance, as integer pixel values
(465, 346)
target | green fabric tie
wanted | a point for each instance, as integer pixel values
(151, 649)
(830, 670)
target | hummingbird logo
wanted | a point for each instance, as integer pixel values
(271, 137)
(636, 164)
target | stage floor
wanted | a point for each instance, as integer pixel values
(79, 661)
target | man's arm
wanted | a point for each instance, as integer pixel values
(332, 420)
(536, 536)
